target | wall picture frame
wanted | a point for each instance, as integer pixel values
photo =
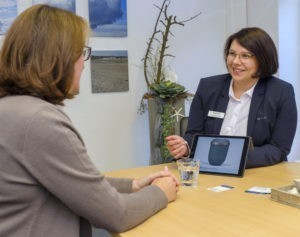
(109, 71)
(69, 5)
(108, 18)
(8, 12)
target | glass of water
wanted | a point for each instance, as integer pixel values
(188, 172)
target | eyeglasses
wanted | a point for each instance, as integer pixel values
(244, 57)
(86, 53)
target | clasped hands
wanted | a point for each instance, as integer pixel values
(165, 180)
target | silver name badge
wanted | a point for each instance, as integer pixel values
(216, 114)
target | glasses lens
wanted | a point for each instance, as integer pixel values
(243, 56)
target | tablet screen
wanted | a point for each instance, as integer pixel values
(221, 154)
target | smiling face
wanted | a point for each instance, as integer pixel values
(241, 64)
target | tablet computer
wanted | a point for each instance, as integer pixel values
(223, 155)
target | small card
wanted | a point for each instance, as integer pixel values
(220, 188)
(259, 190)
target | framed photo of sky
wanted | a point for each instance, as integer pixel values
(64, 4)
(108, 18)
(8, 12)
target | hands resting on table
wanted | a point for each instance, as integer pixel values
(165, 180)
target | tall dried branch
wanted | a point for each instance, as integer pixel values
(155, 31)
(166, 21)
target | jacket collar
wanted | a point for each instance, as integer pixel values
(222, 103)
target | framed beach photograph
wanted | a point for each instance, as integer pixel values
(109, 71)
(108, 18)
(8, 12)
(64, 4)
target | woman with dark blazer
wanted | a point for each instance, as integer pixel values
(248, 101)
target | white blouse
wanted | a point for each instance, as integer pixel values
(236, 117)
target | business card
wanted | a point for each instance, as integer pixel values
(220, 188)
(259, 190)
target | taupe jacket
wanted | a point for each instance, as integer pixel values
(48, 185)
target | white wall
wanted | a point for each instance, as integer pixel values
(264, 14)
(289, 55)
(115, 134)
(281, 20)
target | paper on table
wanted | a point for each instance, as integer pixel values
(220, 188)
(259, 190)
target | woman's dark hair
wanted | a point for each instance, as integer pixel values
(259, 43)
(39, 53)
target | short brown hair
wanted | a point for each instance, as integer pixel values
(259, 43)
(39, 52)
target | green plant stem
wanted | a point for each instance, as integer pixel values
(168, 126)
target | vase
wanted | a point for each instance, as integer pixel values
(162, 123)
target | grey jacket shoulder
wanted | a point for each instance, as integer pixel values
(45, 161)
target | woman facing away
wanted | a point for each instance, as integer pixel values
(248, 101)
(49, 186)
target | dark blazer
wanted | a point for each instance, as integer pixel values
(272, 117)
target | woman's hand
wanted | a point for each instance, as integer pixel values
(137, 184)
(168, 186)
(177, 146)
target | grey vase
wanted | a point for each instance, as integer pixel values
(155, 128)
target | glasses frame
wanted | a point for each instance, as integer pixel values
(86, 53)
(243, 57)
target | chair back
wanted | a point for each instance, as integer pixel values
(183, 125)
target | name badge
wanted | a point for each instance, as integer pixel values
(216, 114)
